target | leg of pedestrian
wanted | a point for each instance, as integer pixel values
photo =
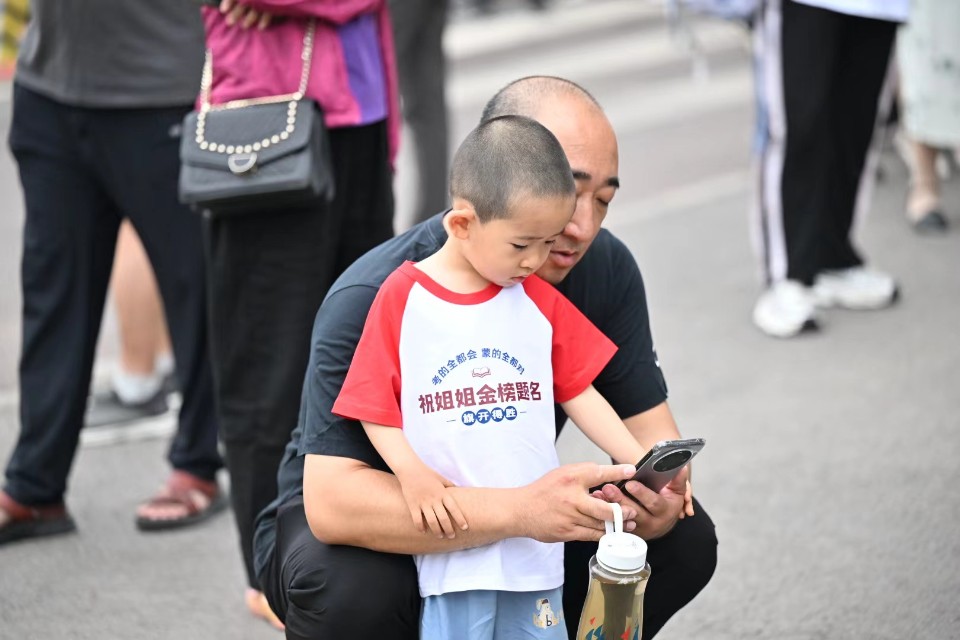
(68, 242)
(138, 386)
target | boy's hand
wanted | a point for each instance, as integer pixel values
(430, 502)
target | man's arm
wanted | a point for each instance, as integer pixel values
(653, 425)
(610, 291)
(348, 502)
(657, 512)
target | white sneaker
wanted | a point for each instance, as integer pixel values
(786, 309)
(858, 288)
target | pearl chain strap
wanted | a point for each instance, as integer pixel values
(293, 99)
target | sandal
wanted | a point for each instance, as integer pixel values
(185, 500)
(19, 521)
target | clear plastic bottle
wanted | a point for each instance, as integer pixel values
(618, 577)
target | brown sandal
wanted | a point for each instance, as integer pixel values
(20, 522)
(192, 498)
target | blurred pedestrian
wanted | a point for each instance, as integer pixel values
(143, 374)
(418, 35)
(928, 52)
(269, 270)
(96, 136)
(821, 68)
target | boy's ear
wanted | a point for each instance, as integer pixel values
(460, 219)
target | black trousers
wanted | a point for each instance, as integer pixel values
(83, 171)
(268, 273)
(323, 591)
(820, 78)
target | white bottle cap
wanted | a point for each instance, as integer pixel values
(619, 551)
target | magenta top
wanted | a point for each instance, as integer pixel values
(353, 73)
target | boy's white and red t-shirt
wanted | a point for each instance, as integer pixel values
(472, 380)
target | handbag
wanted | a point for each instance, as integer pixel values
(256, 154)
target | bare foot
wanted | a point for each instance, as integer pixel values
(258, 606)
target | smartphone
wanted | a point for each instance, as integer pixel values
(664, 461)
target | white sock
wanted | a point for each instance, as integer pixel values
(163, 364)
(134, 388)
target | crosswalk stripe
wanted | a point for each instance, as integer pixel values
(628, 214)
(617, 56)
(477, 37)
(682, 99)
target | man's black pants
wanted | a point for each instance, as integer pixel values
(84, 170)
(323, 591)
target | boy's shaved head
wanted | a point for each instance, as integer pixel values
(508, 157)
(525, 97)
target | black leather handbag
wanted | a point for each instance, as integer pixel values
(256, 154)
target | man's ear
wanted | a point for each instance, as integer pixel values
(459, 220)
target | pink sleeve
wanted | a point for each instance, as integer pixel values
(580, 350)
(371, 390)
(335, 11)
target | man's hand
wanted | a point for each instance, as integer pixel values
(243, 15)
(655, 513)
(558, 507)
(429, 502)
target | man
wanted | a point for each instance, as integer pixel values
(334, 487)
(96, 137)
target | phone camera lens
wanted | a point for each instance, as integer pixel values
(672, 460)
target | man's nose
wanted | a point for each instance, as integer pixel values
(581, 224)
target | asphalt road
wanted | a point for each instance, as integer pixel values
(830, 468)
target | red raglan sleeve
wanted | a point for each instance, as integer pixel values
(580, 350)
(371, 390)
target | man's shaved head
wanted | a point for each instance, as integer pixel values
(505, 158)
(526, 96)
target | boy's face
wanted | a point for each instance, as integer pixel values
(508, 250)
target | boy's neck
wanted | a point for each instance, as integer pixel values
(449, 268)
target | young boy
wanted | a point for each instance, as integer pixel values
(456, 374)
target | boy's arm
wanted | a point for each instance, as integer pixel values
(393, 447)
(424, 489)
(599, 422)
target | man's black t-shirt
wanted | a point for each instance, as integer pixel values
(605, 285)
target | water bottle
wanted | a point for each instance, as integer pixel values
(618, 577)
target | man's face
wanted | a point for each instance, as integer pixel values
(591, 147)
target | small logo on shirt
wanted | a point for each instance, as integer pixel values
(545, 617)
(480, 372)
(484, 416)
